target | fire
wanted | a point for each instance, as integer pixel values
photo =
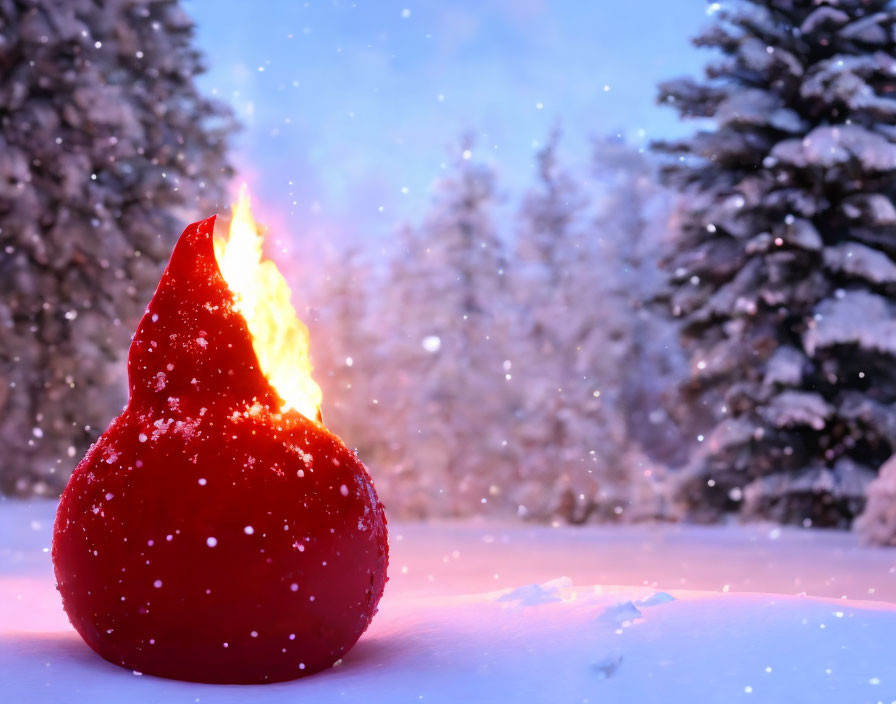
(262, 295)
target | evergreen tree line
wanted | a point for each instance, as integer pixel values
(534, 374)
(518, 371)
(704, 331)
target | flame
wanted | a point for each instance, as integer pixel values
(262, 295)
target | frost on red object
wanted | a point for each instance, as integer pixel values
(205, 536)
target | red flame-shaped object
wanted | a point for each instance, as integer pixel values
(207, 536)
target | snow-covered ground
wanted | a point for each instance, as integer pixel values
(478, 612)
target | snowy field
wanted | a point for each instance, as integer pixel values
(478, 612)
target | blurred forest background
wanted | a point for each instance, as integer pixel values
(697, 329)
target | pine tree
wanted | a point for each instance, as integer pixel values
(345, 343)
(568, 439)
(783, 277)
(441, 398)
(587, 356)
(106, 151)
(630, 228)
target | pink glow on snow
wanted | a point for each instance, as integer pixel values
(688, 611)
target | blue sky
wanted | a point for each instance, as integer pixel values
(349, 108)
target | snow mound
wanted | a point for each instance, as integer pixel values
(623, 613)
(656, 599)
(535, 594)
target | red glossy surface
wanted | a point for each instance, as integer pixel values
(204, 536)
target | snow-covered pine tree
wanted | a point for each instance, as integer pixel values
(441, 396)
(106, 150)
(783, 277)
(590, 359)
(345, 343)
(631, 230)
(568, 439)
